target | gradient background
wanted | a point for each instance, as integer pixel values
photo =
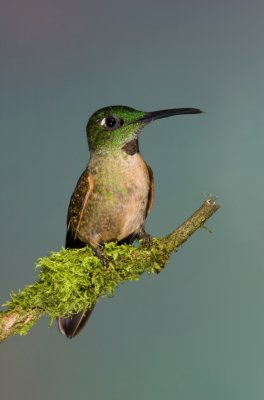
(196, 331)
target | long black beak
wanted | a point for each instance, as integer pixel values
(152, 116)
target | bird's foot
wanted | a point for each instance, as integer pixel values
(145, 237)
(102, 257)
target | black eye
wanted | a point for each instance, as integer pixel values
(111, 122)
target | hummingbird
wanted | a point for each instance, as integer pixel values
(114, 194)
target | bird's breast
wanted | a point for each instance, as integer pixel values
(118, 202)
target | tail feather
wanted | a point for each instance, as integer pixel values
(72, 325)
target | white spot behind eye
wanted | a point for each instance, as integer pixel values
(102, 123)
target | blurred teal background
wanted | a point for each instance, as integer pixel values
(196, 331)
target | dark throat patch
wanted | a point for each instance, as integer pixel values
(131, 147)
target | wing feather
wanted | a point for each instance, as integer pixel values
(78, 202)
(72, 325)
(151, 191)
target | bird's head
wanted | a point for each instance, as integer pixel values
(112, 128)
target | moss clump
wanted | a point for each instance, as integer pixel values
(72, 280)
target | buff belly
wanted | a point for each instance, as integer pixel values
(117, 205)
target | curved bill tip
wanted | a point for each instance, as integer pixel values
(152, 116)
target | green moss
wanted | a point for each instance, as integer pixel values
(72, 280)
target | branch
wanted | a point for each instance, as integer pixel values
(74, 279)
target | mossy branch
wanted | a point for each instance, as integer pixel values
(72, 280)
